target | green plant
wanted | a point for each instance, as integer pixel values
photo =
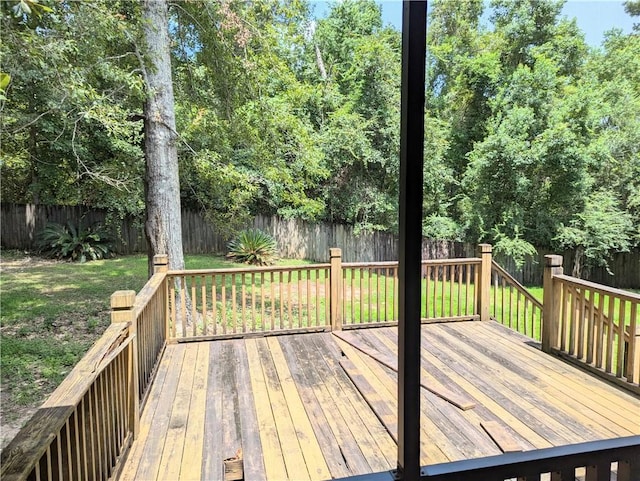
(75, 243)
(252, 246)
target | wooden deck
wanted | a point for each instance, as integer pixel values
(317, 406)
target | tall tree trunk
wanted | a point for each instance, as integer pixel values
(163, 225)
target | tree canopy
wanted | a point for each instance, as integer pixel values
(532, 137)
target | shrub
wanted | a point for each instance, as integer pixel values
(75, 243)
(254, 247)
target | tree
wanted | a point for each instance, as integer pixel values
(71, 128)
(163, 224)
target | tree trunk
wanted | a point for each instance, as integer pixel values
(163, 225)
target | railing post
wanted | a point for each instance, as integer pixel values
(160, 263)
(122, 311)
(335, 277)
(631, 366)
(483, 294)
(550, 302)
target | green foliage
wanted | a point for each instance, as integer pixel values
(599, 230)
(252, 246)
(74, 243)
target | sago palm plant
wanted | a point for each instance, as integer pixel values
(252, 246)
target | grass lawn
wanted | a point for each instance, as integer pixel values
(51, 313)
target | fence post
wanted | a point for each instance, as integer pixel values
(483, 294)
(335, 278)
(122, 311)
(550, 302)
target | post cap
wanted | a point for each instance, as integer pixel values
(123, 299)
(485, 248)
(160, 259)
(335, 252)
(552, 260)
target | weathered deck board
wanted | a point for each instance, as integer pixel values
(294, 411)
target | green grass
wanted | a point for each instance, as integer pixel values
(52, 312)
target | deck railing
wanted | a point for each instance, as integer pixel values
(232, 302)
(513, 305)
(85, 428)
(597, 460)
(223, 303)
(149, 315)
(594, 325)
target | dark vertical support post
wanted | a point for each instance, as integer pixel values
(414, 40)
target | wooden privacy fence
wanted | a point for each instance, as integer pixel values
(594, 325)
(85, 428)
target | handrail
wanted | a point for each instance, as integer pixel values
(562, 460)
(597, 327)
(149, 313)
(518, 310)
(72, 411)
(619, 293)
(245, 270)
(514, 281)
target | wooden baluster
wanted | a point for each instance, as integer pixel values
(590, 326)
(253, 302)
(282, 297)
(620, 331)
(361, 272)
(633, 350)
(581, 332)
(452, 284)
(243, 293)
(459, 298)
(234, 306)
(308, 286)
(214, 303)
(600, 327)
(610, 333)
(327, 298)
(290, 299)
(203, 293)
(262, 313)
(377, 274)
(223, 303)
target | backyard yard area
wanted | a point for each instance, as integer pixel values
(51, 313)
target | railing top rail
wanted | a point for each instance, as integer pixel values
(451, 262)
(438, 262)
(247, 270)
(32, 440)
(537, 461)
(574, 281)
(515, 282)
(149, 289)
(381, 264)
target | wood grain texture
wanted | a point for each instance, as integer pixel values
(312, 406)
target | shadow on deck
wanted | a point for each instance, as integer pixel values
(321, 405)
